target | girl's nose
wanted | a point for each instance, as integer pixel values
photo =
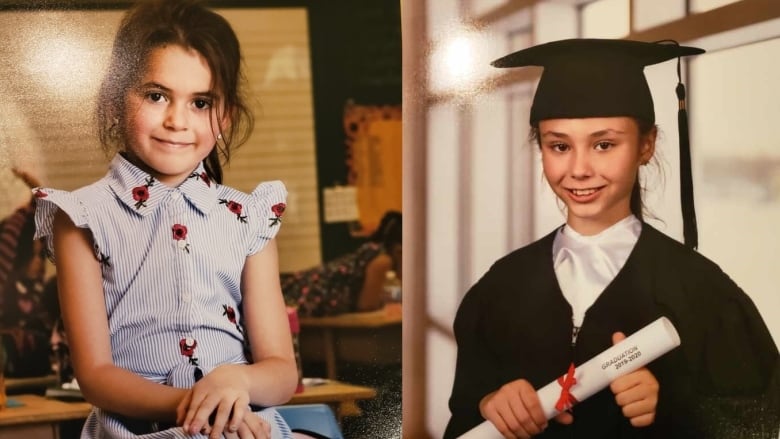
(175, 117)
(581, 165)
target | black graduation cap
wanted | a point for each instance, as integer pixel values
(605, 78)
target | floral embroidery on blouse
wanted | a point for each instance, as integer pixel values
(203, 177)
(230, 313)
(141, 193)
(187, 348)
(38, 193)
(180, 235)
(278, 211)
(234, 207)
(102, 258)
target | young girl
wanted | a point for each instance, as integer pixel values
(168, 280)
(606, 274)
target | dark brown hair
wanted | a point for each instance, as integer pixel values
(644, 128)
(390, 230)
(189, 24)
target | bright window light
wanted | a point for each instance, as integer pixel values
(459, 61)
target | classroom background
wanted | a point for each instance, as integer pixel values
(473, 188)
(325, 84)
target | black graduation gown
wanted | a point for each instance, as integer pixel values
(721, 382)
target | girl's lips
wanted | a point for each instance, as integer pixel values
(170, 142)
(584, 195)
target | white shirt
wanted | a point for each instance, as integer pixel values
(585, 265)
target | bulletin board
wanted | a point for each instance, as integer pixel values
(373, 140)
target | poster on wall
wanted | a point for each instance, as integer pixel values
(374, 151)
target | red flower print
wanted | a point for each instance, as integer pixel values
(205, 178)
(235, 208)
(40, 194)
(278, 211)
(187, 347)
(179, 232)
(180, 235)
(230, 313)
(140, 195)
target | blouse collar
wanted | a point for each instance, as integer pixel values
(142, 193)
(585, 265)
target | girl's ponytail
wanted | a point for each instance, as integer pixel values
(213, 166)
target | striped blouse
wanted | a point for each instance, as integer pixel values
(171, 261)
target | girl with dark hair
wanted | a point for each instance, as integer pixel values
(168, 280)
(350, 283)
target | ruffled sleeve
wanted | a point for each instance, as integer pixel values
(47, 202)
(268, 202)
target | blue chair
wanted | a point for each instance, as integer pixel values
(311, 418)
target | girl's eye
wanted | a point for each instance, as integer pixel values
(155, 96)
(202, 104)
(559, 147)
(603, 146)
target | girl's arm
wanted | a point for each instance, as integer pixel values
(273, 376)
(103, 384)
(372, 294)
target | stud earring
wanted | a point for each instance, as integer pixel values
(219, 136)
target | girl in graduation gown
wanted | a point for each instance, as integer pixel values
(605, 274)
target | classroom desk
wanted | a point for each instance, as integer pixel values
(365, 337)
(39, 417)
(29, 385)
(342, 397)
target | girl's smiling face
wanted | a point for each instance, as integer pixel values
(171, 120)
(591, 164)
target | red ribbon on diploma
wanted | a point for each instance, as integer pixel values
(566, 400)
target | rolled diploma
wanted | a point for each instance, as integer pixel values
(642, 347)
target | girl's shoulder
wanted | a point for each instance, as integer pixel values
(76, 203)
(266, 191)
(262, 208)
(267, 200)
(530, 266)
(674, 256)
(687, 279)
(532, 254)
(96, 192)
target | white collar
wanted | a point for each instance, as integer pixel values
(585, 265)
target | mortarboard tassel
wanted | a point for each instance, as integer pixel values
(690, 232)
